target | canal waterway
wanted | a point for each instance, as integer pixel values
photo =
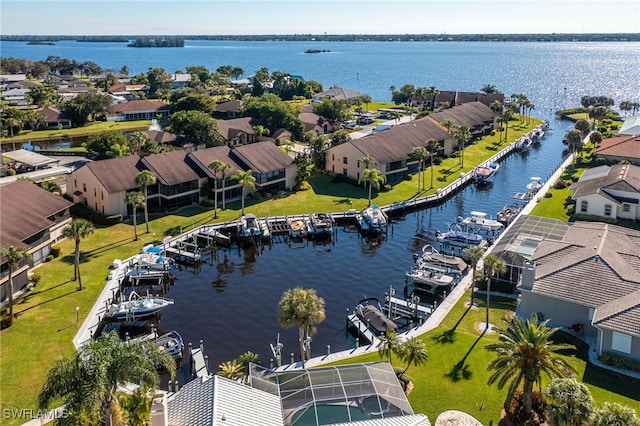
(232, 304)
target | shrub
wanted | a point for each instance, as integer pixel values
(34, 279)
(408, 177)
(403, 378)
(55, 251)
(49, 258)
(11, 172)
(437, 161)
(303, 186)
(548, 195)
(386, 187)
(207, 202)
(619, 361)
(560, 184)
(497, 286)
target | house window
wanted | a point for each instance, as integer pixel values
(584, 205)
(95, 192)
(333, 157)
(102, 195)
(345, 160)
(84, 187)
(344, 172)
(621, 342)
(358, 164)
(626, 207)
(607, 210)
(333, 168)
(75, 183)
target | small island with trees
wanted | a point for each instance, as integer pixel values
(157, 42)
(317, 51)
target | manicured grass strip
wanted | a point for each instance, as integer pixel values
(90, 129)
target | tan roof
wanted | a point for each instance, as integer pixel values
(594, 264)
(622, 314)
(203, 157)
(170, 167)
(470, 114)
(620, 146)
(116, 174)
(161, 137)
(262, 157)
(52, 114)
(619, 177)
(340, 93)
(139, 105)
(25, 209)
(397, 143)
(229, 129)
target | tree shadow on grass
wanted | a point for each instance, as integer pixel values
(29, 295)
(448, 336)
(47, 301)
(461, 369)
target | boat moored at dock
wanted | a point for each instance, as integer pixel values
(455, 240)
(432, 258)
(137, 307)
(479, 221)
(509, 213)
(372, 219)
(322, 223)
(483, 175)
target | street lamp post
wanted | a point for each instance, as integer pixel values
(77, 314)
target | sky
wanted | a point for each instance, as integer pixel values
(196, 17)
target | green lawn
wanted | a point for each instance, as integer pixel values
(455, 375)
(46, 320)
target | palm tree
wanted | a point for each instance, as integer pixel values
(413, 351)
(368, 160)
(78, 229)
(246, 180)
(216, 167)
(432, 148)
(390, 342)
(231, 369)
(524, 352)
(506, 116)
(449, 124)
(420, 154)
(136, 199)
(492, 265)
(87, 383)
(568, 402)
(374, 178)
(14, 256)
(574, 141)
(144, 179)
(474, 254)
(138, 141)
(304, 308)
(247, 358)
(614, 414)
(462, 135)
(261, 131)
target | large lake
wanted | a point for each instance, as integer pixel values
(233, 307)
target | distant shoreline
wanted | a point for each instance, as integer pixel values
(554, 37)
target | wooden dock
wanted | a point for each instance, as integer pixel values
(363, 329)
(399, 306)
(198, 361)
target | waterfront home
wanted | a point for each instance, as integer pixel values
(367, 393)
(177, 183)
(6, 79)
(237, 131)
(314, 123)
(451, 98)
(391, 149)
(102, 185)
(127, 91)
(338, 94)
(53, 118)
(588, 281)
(138, 110)
(620, 148)
(179, 80)
(612, 192)
(200, 160)
(32, 218)
(630, 126)
(273, 169)
(479, 118)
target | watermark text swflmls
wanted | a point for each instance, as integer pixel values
(30, 414)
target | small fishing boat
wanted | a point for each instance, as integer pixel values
(249, 226)
(483, 175)
(479, 221)
(430, 277)
(170, 343)
(524, 144)
(297, 227)
(509, 213)
(322, 223)
(534, 186)
(153, 258)
(432, 258)
(456, 237)
(370, 312)
(536, 135)
(372, 218)
(137, 307)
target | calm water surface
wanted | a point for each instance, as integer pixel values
(233, 306)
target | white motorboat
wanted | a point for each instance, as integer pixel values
(484, 174)
(137, 307)
(322, 223)
(534, 186)
(455, 237)
(170, 342)
(433, 259)
(298, 227)
(509, 212)
(480, 221)
(249, 226)
(429, 277)
(372, 218)
(153, 258)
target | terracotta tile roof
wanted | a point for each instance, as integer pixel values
(24, 209)
(262, 157)
(170, 167)
(139, 105)
(116, 174)
(203, 157)
(396, 143)
(594, 264)
(620, 146)
(229, 129)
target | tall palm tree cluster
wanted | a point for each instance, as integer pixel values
(412, 351)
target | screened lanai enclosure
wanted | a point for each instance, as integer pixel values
(338, 394)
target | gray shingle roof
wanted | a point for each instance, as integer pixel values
(170, 167)
(116, 174)
(470, 114)
(262, 157)
(620, 177)
(622, 314)
(203, 157)
(228, 129)
(396, 143)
